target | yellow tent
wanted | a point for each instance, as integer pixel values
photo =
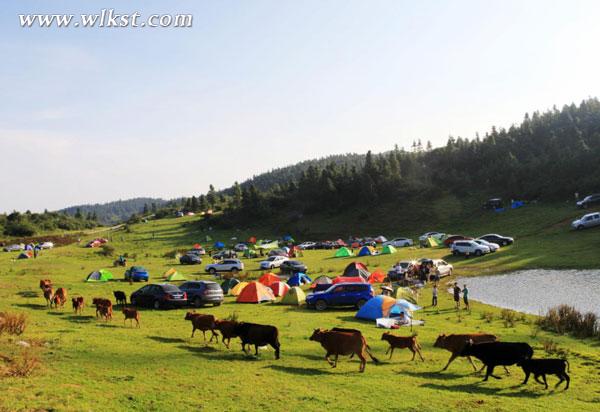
(237, 289)
(169, 273)
(432, 242)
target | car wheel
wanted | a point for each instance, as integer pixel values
(234, 271)
(217, 304)
(197, 302)
(478, 252)
(579, 227)
(360, 303)
(212, 271)
(156, 304)
(320, 304)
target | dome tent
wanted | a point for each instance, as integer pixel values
(237, 289)
(298, 279)
(268, 278)
(229, 284)
(322, 280)
(279, 288)
(355, 269)
(101, 275)
(343, 252)
(255, 292)
(295, 296)
(377, 277)
(388, 250)
(367, 251)
(384, 307)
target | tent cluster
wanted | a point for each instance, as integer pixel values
(268, 287)
(364, 251)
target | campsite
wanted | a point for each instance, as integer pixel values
(121, 362)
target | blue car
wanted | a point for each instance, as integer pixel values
(342, 294)
(137, 274)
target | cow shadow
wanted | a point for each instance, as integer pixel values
(480, 389)
(209, 352)
(80, 318)
(28, 294)
(434, 375)
(164, 339)
(297, 371)
(106, 325)
(36, 306)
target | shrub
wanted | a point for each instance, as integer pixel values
(12, 323)
(487, 316)
(107, 250)
(509, 317)
(21, 366)
(19, 229)
(566, 319)
(552, 348)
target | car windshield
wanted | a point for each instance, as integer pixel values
(404, 264)
(213, 286)
(170, 288)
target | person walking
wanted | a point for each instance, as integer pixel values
(434, 299)
(465, 293)
(456, 295)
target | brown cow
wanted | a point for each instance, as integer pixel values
(131, 313)
(337, 342)
(402, 342)
(60, 297)
(98, 302)
(45, 283)
(227, 329)
(203, 323)
(455, 344)
(105, 312)
(78, 304)
(49, 296)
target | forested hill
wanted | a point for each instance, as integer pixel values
(117, 211)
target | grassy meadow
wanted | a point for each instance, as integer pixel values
(86, 364)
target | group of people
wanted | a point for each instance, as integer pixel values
(456, 292)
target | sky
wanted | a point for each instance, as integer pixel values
(92, 115)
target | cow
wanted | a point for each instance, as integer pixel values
(78, 304)
(132, 314)
(49, 296)
(105, 311)
(45, 283)
(402, 342)
(227, 329)
(120, 297)
(494, 354)
(60, 297)
(543, 367)
(258, 335)
(98, 302)
(203, 323)
(456, 343)
(343, 342)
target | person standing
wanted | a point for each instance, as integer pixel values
(456, 295)
(434, 299)
(465, 293)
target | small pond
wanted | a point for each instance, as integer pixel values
(535, 291)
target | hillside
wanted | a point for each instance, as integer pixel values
(116, 212)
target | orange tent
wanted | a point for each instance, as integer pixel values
(269, 278)
(377, 277)
(279, 288)
(255, 292)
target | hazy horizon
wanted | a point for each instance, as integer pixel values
(95, 115)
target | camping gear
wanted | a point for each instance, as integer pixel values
(271, 245)
(343, 252)
(101, 275)
(321, 280)
(288, 238)
(278, 252)
(255, 292)
(380, 239)
(252, 239)
(385, 307)
(228, 284)
(237, 289)
(24, 255)
(174, 276)
(268, 278)
(348, 279)
(356, 269)
(388, 250)
(295, 296)
(279, 288)
(433, 242)
(298, 279)
(219, 245)
(367, 251)
(377, 277)
(340, 242)
(405, 293)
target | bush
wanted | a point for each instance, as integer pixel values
(19, 229)
(12, 323)
(566, 319)
(21, 366)
(487, 316)
(509, 317)
(107, 250)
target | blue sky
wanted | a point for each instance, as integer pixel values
(93, 115)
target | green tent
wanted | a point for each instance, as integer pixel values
(229, 284)
(266, 246)
(343, 252)
(295, 296)
(101, 275)
(175, 276)
(388, 250)
(433, 242)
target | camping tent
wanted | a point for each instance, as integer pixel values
(228, 284)
(169, 273)
(348, 279)
(278, 252)
(219, 245)
(388, 250)
(268, 278)
(340, 242)
(288, 238)
(367, 251)
(295, 296)
(255, 292)
(432, 242)
(175, 276)
(377, 277)
(24, 255)
(343, 252)
(321, 280)
(271, 245)
(101, 275)
(237, 289)
(279, 288)
(383, 307)
(356, 269)
(381, 239)
(298, 279)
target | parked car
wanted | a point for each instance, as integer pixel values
(272, 262)
(159, 296)
(202, 292)
(307, 245)
(46, 245)
(137, 274)
(589, 220)
(398, 271)
(491, 204)
(468, 247)
(441, 268)
(589, 201)
(196, 251)
(493, 246)
(399, 242)
(327, 245)
(292, 266)
(453, 238)
(343, 294)
(190, 259)
(14, 248)
(498, 239)
(226, 265)
(225, 254)
(240, 247)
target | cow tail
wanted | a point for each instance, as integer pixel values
(373, 358)
(568, 366)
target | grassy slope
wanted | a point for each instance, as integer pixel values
(93, 365)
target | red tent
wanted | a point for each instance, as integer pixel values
(377, 277)
(356, 269)
(252, 239)
(348, 279)
(341, 242)
(279, 288)
(255, 292)
(269, 278)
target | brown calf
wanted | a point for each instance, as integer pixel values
(45, 283)
(203, 323)
(98, 302)
(343, 343)
(455, 344)
(49, 295)
(60, 297)
(78, 304)
(227, 329)
(402, 342)
(132, 314)
(105, 312)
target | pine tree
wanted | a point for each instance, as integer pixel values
(211, 197)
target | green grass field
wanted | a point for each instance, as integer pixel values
(93, 365)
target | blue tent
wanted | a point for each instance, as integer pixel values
(385, 307)
(219, 245)
(365, 251)
(299, 279)
(288, 238)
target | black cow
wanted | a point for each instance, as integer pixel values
(120, 297)
(258, 335)
(494, 354)
(543, 367)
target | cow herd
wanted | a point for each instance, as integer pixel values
(342, 341)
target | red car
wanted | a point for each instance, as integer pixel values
(453, 238)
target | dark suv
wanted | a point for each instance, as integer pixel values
(202, 292)
(589, 201)
(343, 294)
(292, 267)
(159, 296)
